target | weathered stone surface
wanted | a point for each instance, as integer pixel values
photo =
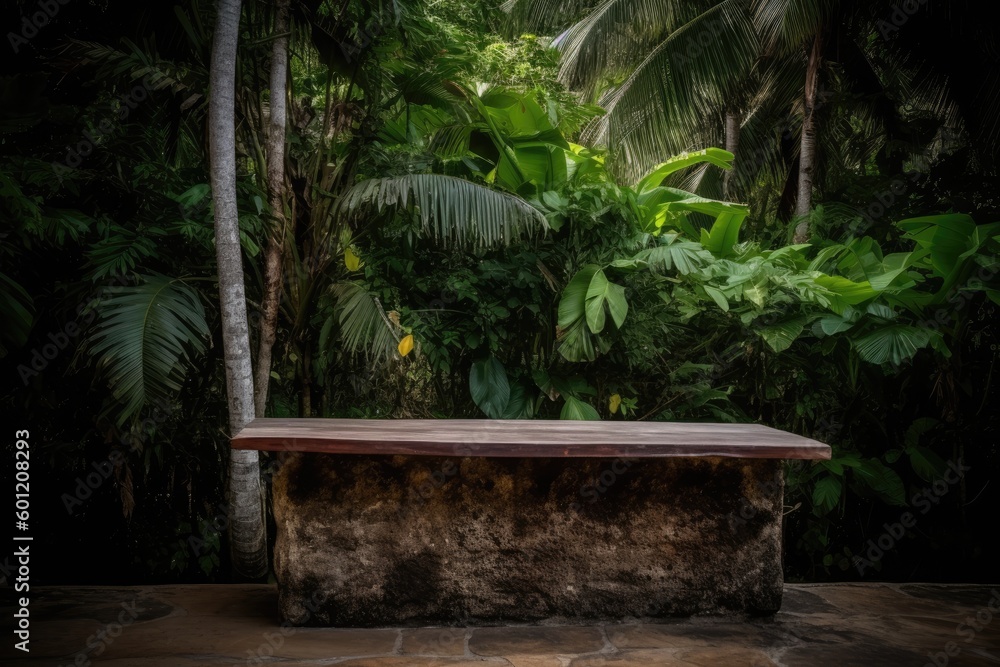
(642, 658)
(858, 654)
(368, 541)
(688, 634)
(434, 641)
(871, 599)
(422, 662)
(216, 625)
(724, 657)
(707, 657)
(543, 640)
(173, 661)
(536, 660)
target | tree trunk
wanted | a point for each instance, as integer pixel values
(274, 255)
(732, 143)
(247, 536)
(807, 152)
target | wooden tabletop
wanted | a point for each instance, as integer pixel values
(526, 438)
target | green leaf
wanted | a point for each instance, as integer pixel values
(917, 428)
(717, 156)
(581, 311)
(717, 296)
(572, 303)
(601, 292)
(450, 209)
(834, 466)
(518, 406)
(145, 339)
(725, 233)
(893, 266)
(827, 254)
(834, 324)
(946, 237)
(489, 387)
(542, 164)
(683, 256)
(207, 563)
(780, 336)
(826, 494)
(576, 343)
(882, 480)
(846, 292)
(579, 410)
(928, 465)
(894, 343)
(666, 207)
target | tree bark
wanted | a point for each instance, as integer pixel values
(274, 254)
(247, 533)
(807, 152)
(732, 143)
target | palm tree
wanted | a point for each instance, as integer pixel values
(759, 74)
(248, 540)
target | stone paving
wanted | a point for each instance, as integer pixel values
(841, 625)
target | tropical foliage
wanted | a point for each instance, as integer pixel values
(589, 221)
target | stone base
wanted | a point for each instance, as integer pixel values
(380, 540)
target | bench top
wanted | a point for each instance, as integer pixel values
(526, 438)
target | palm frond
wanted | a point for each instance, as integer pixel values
(364, 327)
(786, 24)
(144, 340)
(450, 209)
(15, 311)
(657, 110)
(133, 63)
(613, 38)
(544, 16)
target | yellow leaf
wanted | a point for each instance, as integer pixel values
(406, 345)
(352, 261)
(613, 404)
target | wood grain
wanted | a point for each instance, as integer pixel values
(525, 438)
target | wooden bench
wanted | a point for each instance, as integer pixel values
(397, 522)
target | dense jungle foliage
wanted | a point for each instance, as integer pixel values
(571, 210)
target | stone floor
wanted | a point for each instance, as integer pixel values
(836, 624)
